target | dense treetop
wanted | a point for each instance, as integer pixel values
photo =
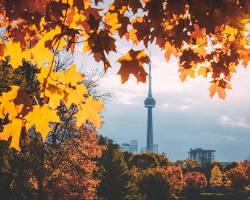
(209, 38)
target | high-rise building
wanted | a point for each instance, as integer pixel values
(202, 156)
(150, 104)
(131, 147)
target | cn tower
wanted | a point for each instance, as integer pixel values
(150, 104)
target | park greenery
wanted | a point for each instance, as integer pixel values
(71, 169)
(50, 113)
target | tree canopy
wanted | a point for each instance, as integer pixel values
(209, 38)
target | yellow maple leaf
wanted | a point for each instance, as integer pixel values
(7, 106)
(13, 130)
(123, 10)
(232, 67)
(10, 109)
(200, 51)
(50, 77)
(10, 95)
(202, 71)
(131, 35)
(72, 76)
(126, 57)
(89, 111)
(40, 117)
(41, 55)
(111, 19)
(63, 85)
(230, 32)
(55, 96)
(14, 51)
(76, 95)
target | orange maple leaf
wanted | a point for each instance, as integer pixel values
(169, 51)
(197, 33)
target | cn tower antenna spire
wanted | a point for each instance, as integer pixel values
(149, 81)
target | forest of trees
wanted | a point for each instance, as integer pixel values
(72, 169)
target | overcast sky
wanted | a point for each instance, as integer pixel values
(184, 117)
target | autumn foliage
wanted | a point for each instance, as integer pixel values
(195, 181)
(161, 183)
(209, 38)
(216, 179)
(239, 177)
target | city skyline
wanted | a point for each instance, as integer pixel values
(185, 116)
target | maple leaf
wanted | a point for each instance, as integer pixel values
(111, 19)
(14, 51)
(184, 73)
(8, 106)
(72, 76)
(198, 33)
(13, 130)
(41, 116)
(131, 35)
(132, 63)
(40, 53)
(54, 94)
(89, 111)
(245, 57)
(212, 89)
(63, 85)
(202, 71)
(10, 95)
(216, 88)
(76, 95)
(170, 50)
(221, 92)
(230, 32)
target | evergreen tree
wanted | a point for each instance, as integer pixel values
(216, 179)
(144, 161)
(116, 181)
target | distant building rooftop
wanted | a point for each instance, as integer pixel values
(202, 156)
